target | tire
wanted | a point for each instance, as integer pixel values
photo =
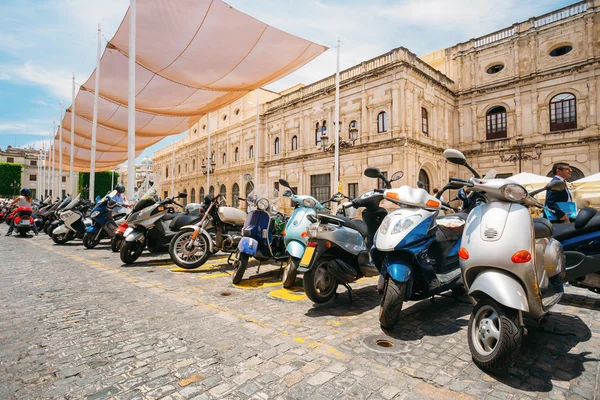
(181, 257)
(319, 285)
(494, 349)
(239, 267)
(60, 239)
(115, 243)
(391, 303)
(131, 251)
(290, 272)
(22, 234)
(91, 240)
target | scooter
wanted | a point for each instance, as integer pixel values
(148, 226)
(296, 230)
(219, 229)
(510, 265)
(53, 221)
(74, 221)
(419, 248)
(104, 222)
(581, 243)
(262, 233)
(338, 246)
(23, 220)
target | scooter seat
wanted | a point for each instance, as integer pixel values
(542, 228)
(355, 224)
(567, 231)
(168, 217)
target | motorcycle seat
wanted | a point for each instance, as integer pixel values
(542, 228)
(567, 231)
(168, 217)
(355, 224)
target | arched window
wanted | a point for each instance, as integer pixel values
(294, 143)
(318, 135)
(236, 155)
(353, 130)
(576, 174)
(235, 195)
(424, 178)
(382, 122)
(224, 158)
(211, 191)
(496, 123)
(193, 196)
(563, 112)
(277, 147)
(251, 152)
(424, 121)
(223, 193)
(166, 172)
(201, 196)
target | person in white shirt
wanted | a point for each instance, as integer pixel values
(24, 200)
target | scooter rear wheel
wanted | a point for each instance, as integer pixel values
(494, 335)
(391, 303)
(239, 267)
(320, 285)
(182, 257)
(115, 243)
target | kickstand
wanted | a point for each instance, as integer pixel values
(433, 299)
(280, 270)
(258, 270)
(349, 291)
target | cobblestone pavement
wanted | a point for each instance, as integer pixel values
(75, 323)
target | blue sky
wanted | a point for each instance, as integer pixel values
(43, 42)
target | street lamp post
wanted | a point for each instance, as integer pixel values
(520, 156)
(14, 186)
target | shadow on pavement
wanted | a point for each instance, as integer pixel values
(591, 302)
(363, 299)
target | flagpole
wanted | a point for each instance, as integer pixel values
(336, 174)
(43, 169)
(208, 155)
(72, 155)
(95, 117)
(173, 169)
(60, 150)
(256, 139)
(39, 175)
(131, 102)
(53, 170)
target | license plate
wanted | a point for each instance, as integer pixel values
(308, 254)
(25, 222)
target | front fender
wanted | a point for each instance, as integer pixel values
(133, 235)
(397, 268)
(60, 230)
(248, 246)
(502, 287)
(295, 249)
(91, 229)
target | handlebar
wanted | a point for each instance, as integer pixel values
(177, 204)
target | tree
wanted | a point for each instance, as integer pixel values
(9, 173)
(102, 184)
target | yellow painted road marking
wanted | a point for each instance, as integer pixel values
(299, 340)
(213, 276)
(204, 268)
(257, 283)
(288, 294)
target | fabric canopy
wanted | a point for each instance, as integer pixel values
(528, 179)
(193, 57)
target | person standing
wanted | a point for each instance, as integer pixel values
(562, 171)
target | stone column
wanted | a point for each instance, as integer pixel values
(395, 108)
(365, 127)
(402, 105)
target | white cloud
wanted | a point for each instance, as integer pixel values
(31, 128)
(56, 81)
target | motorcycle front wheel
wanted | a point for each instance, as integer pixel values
(494, 335)
(319, 285)
(290, 272)
(60, 238)
(239, 267)
(189, 258)
(391, 303)
(131, 251)
(115, 243)
(91, 239)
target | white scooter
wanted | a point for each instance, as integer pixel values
(510, 265)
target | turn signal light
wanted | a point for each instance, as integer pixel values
(392, 195)
(432, 203)
(283, 233)
(304, 234)
(463, 253)
(521, 256)
(328, 245)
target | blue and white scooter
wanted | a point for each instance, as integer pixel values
(104, 222)
(296, 230)
(419, 249)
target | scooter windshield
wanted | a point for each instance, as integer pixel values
(73, 203)
(491, 174)
(263, 197)
(146, 200)
(64, 203)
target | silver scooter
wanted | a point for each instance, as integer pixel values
(510, 264)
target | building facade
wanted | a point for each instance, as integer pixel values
(143, 176)
(531, 90)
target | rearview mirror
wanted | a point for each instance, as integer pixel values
(420, 185)
(397, 176)
(455, 156)
(247, 177)
(283, 182)
(182, 195)
(338, 197)
(556, 185)
(372, 172)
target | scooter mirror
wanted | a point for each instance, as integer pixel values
(182, 195)
(372, 172)
(283, 182)
(247, 177)
(338, 197)
(420, 185)
(455, 156)
(556, 186)
(397, 176)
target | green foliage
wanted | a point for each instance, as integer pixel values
(102, 184)
(9, 173)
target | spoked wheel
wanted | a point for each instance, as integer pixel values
(91, 239)
(115, 243)
(186, 253)
(494, 335)
(61, 238)
(394, 294)
(131, 251)
(239, 267)
(319, 285)
(290, 272)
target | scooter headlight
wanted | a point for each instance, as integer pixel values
(385, 225)
(263, 204)
(95, 214)
(514, 192)
(310, 203)
(405, 224)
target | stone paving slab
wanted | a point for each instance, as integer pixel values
(78, 324)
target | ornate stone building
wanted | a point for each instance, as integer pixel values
(531, 89)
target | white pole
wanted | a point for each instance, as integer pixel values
(95, 117)
(52, 169)
(336, 126)
(208, 155)
(72, 155)
(60, 149)
(257, 124)
(39, 175)
(173, 169)
(131, 184)
(43, 170)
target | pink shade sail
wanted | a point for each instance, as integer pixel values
(192, 57)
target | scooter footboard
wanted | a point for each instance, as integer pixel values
(295, 249)
(248, 246)
(580, 265)
(501, 287)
